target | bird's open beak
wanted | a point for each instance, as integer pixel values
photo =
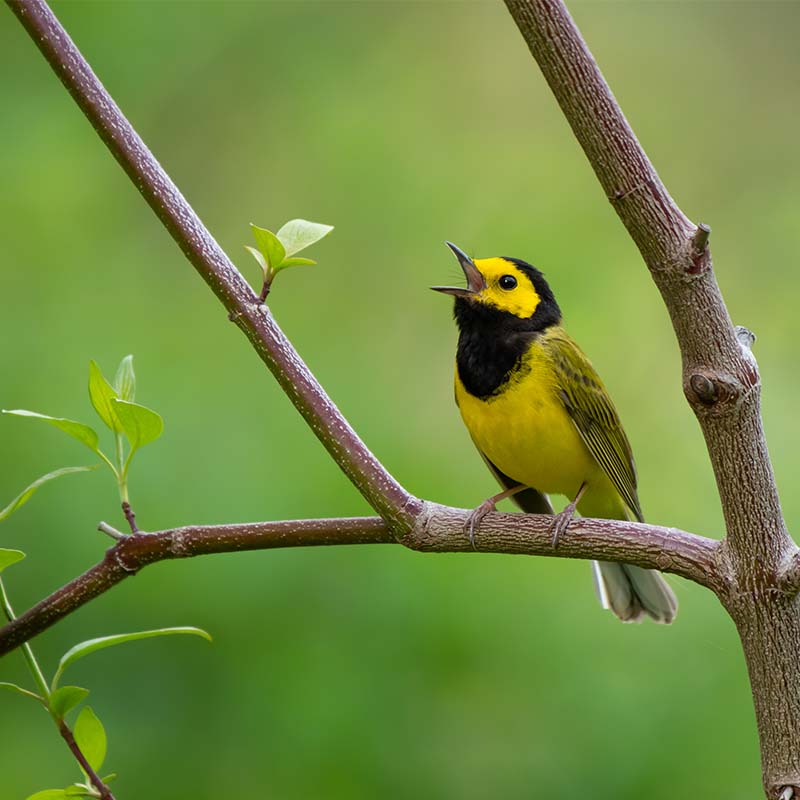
(475, 281)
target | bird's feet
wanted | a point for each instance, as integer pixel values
(474, 519)
(563, 518)
(487, 506)
(562, 521)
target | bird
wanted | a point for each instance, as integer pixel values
(543, 421)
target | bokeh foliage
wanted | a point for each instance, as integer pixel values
(366, 672)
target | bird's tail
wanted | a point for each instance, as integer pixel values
(633, 592)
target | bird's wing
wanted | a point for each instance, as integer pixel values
(529, 500)
(588, 404)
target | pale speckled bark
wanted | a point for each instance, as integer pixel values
(720, 379)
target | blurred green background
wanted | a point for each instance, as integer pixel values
(372, 671)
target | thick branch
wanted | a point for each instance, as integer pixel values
(379, 488)
(720, 379)
(437, 529)
(440, 529)
(676, 251)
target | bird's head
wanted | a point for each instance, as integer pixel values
(504, 291)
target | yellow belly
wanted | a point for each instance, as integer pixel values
(526, 432)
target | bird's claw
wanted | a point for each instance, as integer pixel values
(475, 518)
(562, 521)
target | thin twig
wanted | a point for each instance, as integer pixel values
(111, 531)
(130, 516)
(94, 778)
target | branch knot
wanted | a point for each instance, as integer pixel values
(718, 392)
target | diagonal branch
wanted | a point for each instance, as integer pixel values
(437, 529)
(255, 320)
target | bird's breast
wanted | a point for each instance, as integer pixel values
(525, 431)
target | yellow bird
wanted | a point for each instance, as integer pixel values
(542, 419)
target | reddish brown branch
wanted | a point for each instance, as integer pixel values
(437, 529)
(131, 553)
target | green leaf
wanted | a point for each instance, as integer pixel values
(48, 794)
(270, 246)
(91, 737)
(66, 698)
(297, 234)
(125, 380)
(112, 776)
(77, 430)
(296, 262)
(102, 395)
(80, 790)
(9, 557)
(259, 257)
(12, 687)
(139, 424)
(92, 645)
(26, 493)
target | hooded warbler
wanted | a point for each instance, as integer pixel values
(542, 419)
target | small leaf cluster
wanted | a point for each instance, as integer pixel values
(129, 421)
(277, 251)
(87, 731)
(137, 426)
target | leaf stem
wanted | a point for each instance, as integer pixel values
(122, 472)
(122, 482)
(267, 285)
(108, 461)
(130, 516)
(30, 658)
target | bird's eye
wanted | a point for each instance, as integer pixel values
(508, 282)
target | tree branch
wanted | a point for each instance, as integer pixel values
(135, 551)
(437, 529)
(378, 487)
(676, 251)
(720, 380)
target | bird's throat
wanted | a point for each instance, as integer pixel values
(485, 363)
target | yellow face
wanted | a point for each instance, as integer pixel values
(508, 288)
